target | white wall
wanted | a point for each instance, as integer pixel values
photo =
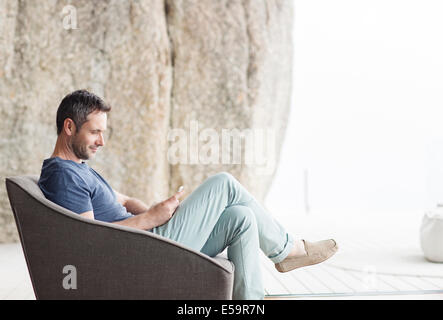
(367, 115)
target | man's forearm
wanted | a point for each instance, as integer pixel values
(135, 206)
(155, 216)
(142, 221)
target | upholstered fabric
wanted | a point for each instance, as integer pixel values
(111, 261)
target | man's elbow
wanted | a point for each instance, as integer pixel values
(88, 215)
(121, 198)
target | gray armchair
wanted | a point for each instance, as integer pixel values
(110, 261)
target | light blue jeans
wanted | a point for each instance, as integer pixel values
(221, 214)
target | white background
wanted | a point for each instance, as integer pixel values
(367, 110)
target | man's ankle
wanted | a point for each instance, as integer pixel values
(298, 250)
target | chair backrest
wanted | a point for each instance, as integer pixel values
(47, 236)
(27, 201)
(110, 261)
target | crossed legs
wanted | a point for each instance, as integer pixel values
(221, 214)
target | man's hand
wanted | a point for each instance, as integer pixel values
(155, 216)
(163, 211)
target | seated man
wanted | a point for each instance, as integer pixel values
(219, 214)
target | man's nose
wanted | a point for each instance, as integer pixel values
(101, 140)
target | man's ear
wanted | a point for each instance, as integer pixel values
(69, 127)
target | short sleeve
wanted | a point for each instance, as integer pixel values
(67, 189)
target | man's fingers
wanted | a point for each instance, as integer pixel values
(177, 195)
(179, 192)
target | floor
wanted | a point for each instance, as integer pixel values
(379, 257)
(375, 261)
(15, 283)
(323, 281)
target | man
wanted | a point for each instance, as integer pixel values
(219, 214)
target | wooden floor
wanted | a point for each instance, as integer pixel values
(15, 283)
(326, 281)
(321, 281)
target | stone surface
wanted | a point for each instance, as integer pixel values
(120, 50)
(232, 70)
(162, 65)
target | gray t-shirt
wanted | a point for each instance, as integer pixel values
(79, 188)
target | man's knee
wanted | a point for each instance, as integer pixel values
(224, 176)
(244, 217)
(241, 222)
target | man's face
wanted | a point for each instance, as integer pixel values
(86, 141)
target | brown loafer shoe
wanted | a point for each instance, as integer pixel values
(316, 252)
